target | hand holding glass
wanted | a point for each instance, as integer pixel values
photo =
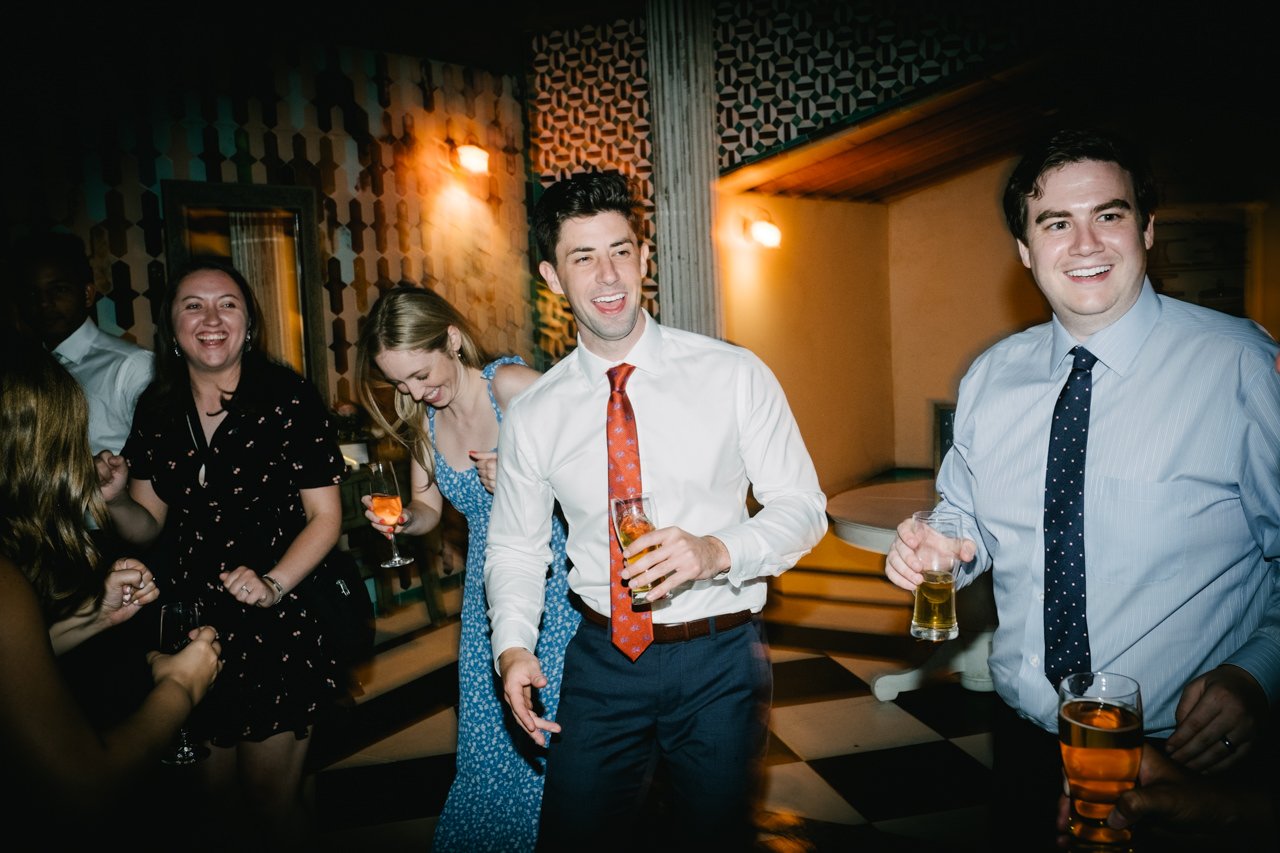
(934, 614)
(1100, 732)
(384, 501)
(632, 518)
(177, 620)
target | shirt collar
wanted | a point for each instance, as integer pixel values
(645, 355)
(1117, 345)
(76, 345)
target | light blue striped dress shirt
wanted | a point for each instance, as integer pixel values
(1182, 500)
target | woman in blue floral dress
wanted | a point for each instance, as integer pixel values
(449, 398)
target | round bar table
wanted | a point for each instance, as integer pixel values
(867, 517)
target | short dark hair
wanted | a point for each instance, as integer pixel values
(1063, 147)
(60, 247)
(581, 195)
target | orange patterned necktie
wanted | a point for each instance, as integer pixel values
(631, 631)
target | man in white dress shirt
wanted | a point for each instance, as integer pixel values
(711, 422)
(56, 297)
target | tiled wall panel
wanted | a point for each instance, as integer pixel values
(366, 130)
(786, 72)
(790, 70)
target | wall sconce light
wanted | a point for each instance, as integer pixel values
(761, 230)
(471, 158)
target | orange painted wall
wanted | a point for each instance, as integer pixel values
(956, 287)
(871, 313)
(816, 310)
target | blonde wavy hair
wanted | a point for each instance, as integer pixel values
(410, 318)
(48, 482)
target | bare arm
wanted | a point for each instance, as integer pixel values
(136, 510)
(128, 586)
(313, 543)
(508, 381)
(44, 732)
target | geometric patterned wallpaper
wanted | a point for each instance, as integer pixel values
(786, 72)
(588, 109)
(367, 130)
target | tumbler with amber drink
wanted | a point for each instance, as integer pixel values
(934, 615)
(1100, 732)
(633, 517)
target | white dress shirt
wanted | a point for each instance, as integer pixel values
(113, 373)
(711, 421)
(1181, 504)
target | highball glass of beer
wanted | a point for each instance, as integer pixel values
(934, 614)
(632, 518)
(1100, 731)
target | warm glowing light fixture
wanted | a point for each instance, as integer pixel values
(474, 159)
(761, 230)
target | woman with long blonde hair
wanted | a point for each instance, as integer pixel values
(449, 396)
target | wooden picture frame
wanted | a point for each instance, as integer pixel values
(201, 221)
(944, 419)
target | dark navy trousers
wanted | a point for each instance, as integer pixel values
(696, 711)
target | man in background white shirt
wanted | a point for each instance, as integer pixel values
(711, 422)
(56, 295)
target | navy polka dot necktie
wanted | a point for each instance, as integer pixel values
(1066, 632)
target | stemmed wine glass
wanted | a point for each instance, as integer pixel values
(384, 500)
(177, 620)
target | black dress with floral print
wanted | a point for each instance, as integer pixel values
(237, 502)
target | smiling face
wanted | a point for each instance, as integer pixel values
(210, 319)
(599, 268)
(430, 377)
(1085, 245)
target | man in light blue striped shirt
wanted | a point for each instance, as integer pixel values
(1182, 477)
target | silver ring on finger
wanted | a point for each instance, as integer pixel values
(244, 587)
(1231, 747)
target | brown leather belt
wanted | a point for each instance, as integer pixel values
(676, 632)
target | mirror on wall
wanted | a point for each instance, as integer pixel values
(269, 233)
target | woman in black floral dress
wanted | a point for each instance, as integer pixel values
(233, 466)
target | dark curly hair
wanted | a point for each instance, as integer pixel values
(1063, 147)
(579, 196)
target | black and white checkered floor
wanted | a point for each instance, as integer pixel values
(844, 769)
